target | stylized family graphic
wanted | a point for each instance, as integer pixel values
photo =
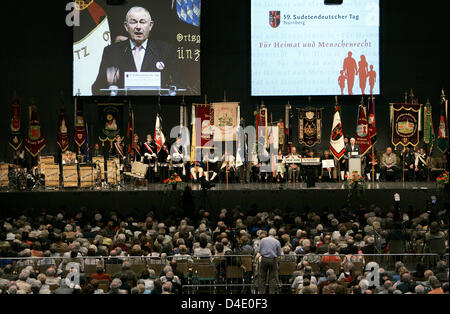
(352, 69)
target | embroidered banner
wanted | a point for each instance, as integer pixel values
(362, 131)
(310, 126)
(110, 121)
(15, 135)
(405, 124)
(80, 125)
(35, 141)
(226, 118)
(62, 138)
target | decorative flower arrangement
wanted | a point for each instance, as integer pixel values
(355, 181)
(442, 179)
(173, 181)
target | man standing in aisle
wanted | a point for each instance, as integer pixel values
(270, 250)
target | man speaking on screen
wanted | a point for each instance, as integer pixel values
(137, 54)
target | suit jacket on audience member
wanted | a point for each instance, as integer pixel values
(390, 160)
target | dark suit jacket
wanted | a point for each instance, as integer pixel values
(348, 149)
(120, 55)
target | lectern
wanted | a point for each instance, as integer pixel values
(354, 164)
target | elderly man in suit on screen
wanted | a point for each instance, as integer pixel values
(136, 54)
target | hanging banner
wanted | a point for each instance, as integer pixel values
(337, 143)
(442, 140)
(35, 141)
(405, 124)
(80, 125)
(281, 134)
(262, 125)
(204, 115)
(110, 121)
(15, 136)
(310, 126)
(226, 121)
(428, 134)
(62, 138)
(362, 131)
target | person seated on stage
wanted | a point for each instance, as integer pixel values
(177, 157)
(421, 165)
(294, 169)
(149, 149)
(197, 171)
(163, 162)
(389, 163)
(311, 154)
(327, 173)
(97, 152)
(228, 167)
(136, 152)
(211, 164)
(281, 166)
(372, 160)
(410, 158)
(265, 169)
(69, 158)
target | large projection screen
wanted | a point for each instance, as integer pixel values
(111, 58)
(307, 48)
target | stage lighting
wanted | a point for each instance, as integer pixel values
(333, 2)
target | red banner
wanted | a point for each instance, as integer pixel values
(204, 131)
(80, 125)
(362, 131)
(35, 141)
(372, 121)
(62, 135)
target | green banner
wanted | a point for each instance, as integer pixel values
(428, 134)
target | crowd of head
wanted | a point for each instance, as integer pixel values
(35, 250)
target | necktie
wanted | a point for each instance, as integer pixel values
(137, 57)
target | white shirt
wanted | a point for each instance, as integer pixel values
(142, 51)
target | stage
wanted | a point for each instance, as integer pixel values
(163, 200)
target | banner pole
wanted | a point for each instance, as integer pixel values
(226, 174)
(373, 166)
(403, 166)
(339, 170)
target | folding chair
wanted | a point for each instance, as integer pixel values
(138, 269)
(113, 268)
(206, 274)
(234, 273)
(157, 267)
